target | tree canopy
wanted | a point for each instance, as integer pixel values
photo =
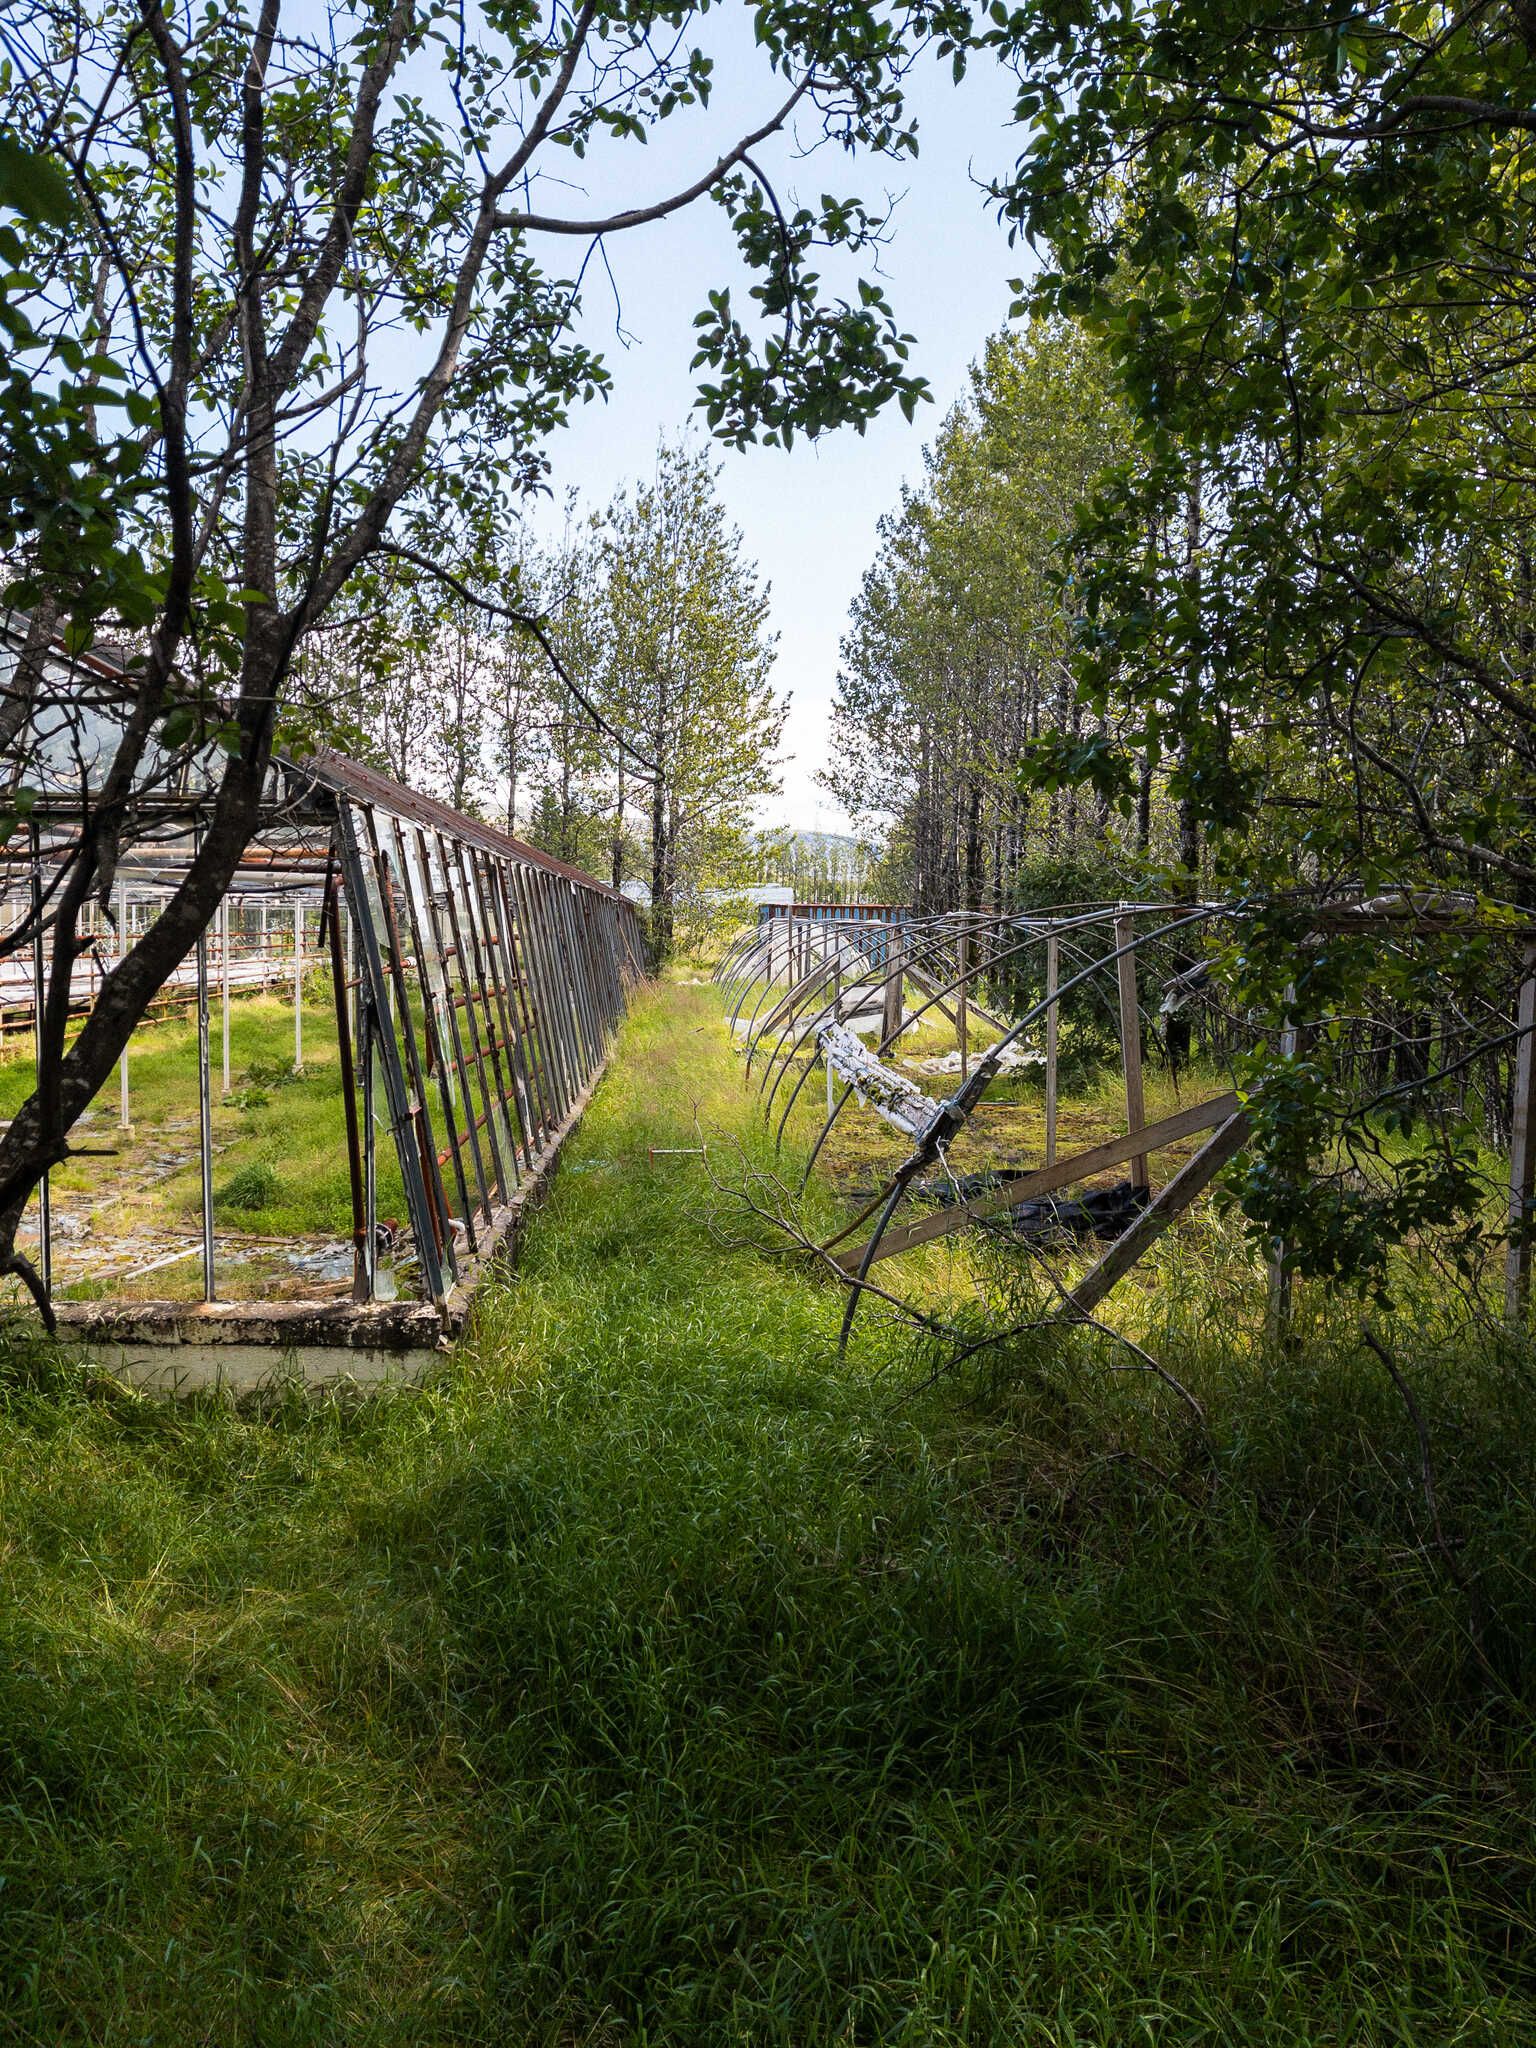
(287, 288)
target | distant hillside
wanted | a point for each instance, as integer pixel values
(831, 864)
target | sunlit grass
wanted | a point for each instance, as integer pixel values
(653, 1678)
(286, 1125)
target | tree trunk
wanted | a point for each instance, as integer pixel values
(618, 831)
(661, 887)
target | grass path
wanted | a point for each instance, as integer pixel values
(651, 1679)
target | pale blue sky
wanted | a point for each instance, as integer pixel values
(808, 516)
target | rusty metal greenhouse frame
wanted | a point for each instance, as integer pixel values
(478, 985)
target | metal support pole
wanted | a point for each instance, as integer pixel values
(364, 1020)
(224, 981)
(205, 1109)
(124, 941)
(298, 988)
(360, 1288)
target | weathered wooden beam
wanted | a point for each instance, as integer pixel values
(1044, 1180)
(1522, 1153)
(894, 1011)
(1167, 1206)
(929, 986)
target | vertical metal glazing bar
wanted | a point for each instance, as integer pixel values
(592, 969)
(437, 1201)
(1052, 1041)
(437, 1056)
(503, 1149)
(363, 1014)
(298, 987)
(447, 960)
(484, 993)
(500, 970)
(360, 1262)
(598, 912)
(1522, 1151)
(527, 986)
(511, 983)
(591, 972)
(571, 975)
(1130, 1041)
(520, 983)
(381, 1038)
(547, 1009)
(560, 981)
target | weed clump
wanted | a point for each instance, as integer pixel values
(257, 1186)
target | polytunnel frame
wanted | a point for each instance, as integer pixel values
(811, 1014)
(478, 985)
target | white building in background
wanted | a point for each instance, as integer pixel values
(752, 895)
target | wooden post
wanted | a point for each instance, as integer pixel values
(962, 1021)
(1175, 1197)
(1522, 1153)
(1277, 1314)
(1130, 1044)
(891, 1020)
(1052, 1026)
(298, 988)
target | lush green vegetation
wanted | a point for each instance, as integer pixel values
(650, 1678)
(280, 1167)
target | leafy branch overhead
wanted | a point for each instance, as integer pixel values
(281, 285)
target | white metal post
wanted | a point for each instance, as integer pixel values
(125, 1122)
(224, 981)
(298, 988)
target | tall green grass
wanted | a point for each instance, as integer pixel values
(652, 1678)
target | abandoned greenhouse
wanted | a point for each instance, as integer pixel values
(341, 1104)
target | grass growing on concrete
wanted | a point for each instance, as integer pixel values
(653, 1679)
(280, 1164)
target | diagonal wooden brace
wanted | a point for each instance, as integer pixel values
(1044, 1180)
(1192, 1178)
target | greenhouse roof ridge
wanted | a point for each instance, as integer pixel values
(337, 772)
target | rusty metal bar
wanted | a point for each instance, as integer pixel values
(437, 1061)
(360, 1261)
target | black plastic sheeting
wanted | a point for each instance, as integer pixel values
(1102, 1212)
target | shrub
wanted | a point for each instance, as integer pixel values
(252, 1187)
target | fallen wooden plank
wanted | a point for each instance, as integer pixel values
(1192, 1178)
(1044, 1180)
